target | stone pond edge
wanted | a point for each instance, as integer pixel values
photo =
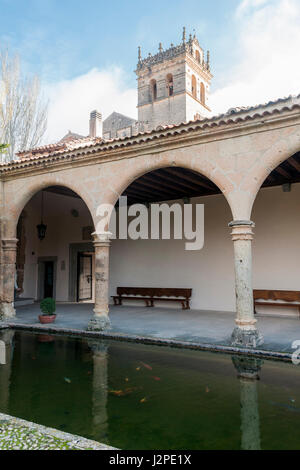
(261, 353)
(71, 439)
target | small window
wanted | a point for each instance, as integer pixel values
(194, 86)
(153, 90)
(170, 85)
(202, 93)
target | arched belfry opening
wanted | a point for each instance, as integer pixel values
(170, 84)
(276, 255)
(194, 87)
(153, 90)
(166, 262)
(55, 253)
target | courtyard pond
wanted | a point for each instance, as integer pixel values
(134, 396)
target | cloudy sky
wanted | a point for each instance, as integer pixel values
(85, 51)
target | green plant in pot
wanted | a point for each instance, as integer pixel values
(48, 308)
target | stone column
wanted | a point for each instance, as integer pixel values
(248, 370)
(245, 334)
(8, 272)
(100, 320)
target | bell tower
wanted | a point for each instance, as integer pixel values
(174, 84)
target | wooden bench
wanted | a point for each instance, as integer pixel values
(276, 298)
(151, 294)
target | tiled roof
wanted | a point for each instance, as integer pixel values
(65, 150)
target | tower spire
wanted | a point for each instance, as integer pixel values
(184, 35)
(139, 54)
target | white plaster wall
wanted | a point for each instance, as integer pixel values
(62, 229)
(166, 263)
(276, 245)
(209, 272)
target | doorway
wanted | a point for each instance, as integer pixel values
(47, 267)
(49, 279)
(84, 277)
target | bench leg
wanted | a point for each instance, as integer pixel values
(115, 302)
(148, 304)
(120, 301)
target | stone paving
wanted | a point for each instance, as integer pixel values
(17, 434)
(193, 326)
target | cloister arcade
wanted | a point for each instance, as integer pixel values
(244, 168)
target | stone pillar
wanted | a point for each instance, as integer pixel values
(248, 370)
(100, 320)
(8, 272)
(245, 334)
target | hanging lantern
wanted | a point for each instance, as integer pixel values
(42, 228)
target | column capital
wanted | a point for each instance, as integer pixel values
(9, 244)
(242, 230)
(101, 239)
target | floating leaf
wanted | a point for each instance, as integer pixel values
(143, 400)
(67, 380)
(156, 378)
(146, 366)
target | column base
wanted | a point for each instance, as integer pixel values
(246, 338)
(99, 323)
(7, 311)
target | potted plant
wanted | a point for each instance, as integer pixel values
(48, 308)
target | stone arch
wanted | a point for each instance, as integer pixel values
(170, 84)
(129, 171)
(272, 158)
(153, 90)
(15, 201)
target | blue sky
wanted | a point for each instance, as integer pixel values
(86, 51)
(61, 39)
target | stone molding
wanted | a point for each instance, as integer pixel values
(102, 239)
(242, 230)
(9, 244)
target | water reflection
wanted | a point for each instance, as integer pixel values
(6, 355)
(248, 374)
(76, 384)
(100, 381)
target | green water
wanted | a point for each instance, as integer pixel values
(134, 396)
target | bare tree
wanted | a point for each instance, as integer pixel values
(23, 111)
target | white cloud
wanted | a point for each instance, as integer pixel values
(267, 68)
(268, 49)
(71, 101)
(247, 5)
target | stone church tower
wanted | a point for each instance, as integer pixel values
(174, 84)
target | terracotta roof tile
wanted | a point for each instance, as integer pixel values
(63, 150)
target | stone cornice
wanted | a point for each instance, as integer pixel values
(162, 139)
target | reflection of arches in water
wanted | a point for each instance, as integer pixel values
(248, 370)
